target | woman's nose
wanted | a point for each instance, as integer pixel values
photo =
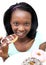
(21, 28)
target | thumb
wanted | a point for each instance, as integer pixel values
(1, 37)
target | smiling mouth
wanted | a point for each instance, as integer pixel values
(20, 34)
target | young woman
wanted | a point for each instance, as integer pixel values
(20, 20)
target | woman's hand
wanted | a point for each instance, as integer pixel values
(4, 51)
(4, 45)
(43, 46)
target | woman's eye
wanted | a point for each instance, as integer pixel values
(16, 23)
(26, 24)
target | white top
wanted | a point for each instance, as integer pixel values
(1, 61)
(19, 58)
(38, 40)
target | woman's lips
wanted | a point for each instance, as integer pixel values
(20, 34)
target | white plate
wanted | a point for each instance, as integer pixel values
(17, 59)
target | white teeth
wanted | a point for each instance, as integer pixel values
(20, 33)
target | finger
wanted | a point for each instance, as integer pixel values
(5, 49)
(10, 37)
(0, 51)
(5, 42)
(0, 38)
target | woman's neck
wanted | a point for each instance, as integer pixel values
(21, 40)
(24, 46)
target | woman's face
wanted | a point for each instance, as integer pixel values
(21, 22)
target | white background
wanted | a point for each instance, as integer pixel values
(38, 5)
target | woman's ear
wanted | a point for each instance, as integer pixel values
(43, 46)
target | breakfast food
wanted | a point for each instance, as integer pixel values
(39, 54)
(14, 39)
(37, 57)
(31, 61)
(4, 45)
(9, 39)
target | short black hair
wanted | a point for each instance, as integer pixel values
(26, 7)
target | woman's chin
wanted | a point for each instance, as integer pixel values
(21, 37)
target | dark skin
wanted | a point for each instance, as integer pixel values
(4, 46)
(43, 46)
(21, 24)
